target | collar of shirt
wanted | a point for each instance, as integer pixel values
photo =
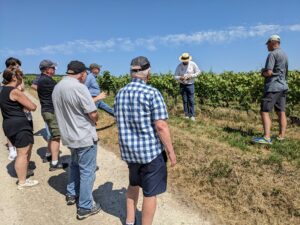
(71, 79)
(43, 74)
(138, 80)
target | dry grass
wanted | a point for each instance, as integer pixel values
(222, 174)
(235, 185)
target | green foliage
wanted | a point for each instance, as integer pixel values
(239, 90)
(29, 78)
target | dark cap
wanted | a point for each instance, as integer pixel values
(140, 63)
(46, 63)
(76, 67)
(95, 65)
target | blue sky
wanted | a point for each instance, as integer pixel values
(220, 35)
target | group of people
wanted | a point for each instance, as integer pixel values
(69, 109)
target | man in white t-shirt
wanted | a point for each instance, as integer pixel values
(185, 73)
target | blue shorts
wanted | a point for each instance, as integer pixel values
(151, 177)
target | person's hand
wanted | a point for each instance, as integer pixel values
(182, 78)
(187, 77)
(101, 96)
(172, 158)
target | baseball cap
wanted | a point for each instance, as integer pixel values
(76, 67)
(273, 37)
(139, 63)
(46, 63)
(95, 65)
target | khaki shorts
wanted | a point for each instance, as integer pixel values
(51, 121)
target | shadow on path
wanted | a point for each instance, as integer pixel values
(42, 132)
(113, 202)
(11, 168)
(106, 127)
(59, 182)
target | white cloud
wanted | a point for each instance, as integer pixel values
(126, 44)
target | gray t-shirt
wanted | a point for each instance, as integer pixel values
(72, 102)
(277, 61)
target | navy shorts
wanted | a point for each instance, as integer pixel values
(272, 100)
(151, 177)
(22, 139)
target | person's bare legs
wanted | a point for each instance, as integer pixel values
(265, 117)
(282, 123)
(132, 197)
(21, 163)
(148, 210)
(12, 150)
(54, 148)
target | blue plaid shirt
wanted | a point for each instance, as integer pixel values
(137, 107)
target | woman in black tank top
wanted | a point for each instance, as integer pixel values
(16, 126)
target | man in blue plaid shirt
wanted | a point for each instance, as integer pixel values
(143, 138)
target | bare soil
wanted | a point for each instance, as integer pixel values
(45, 203)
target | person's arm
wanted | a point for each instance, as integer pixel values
(270, 63)
(99, 97)
(34, 87)
(159, 116)
(177, 74)
(87, 103)
(34, 84)
(17, 95)
(94, 116)
(163, 131)
(21, 87)
(196, 71)
(267, 73)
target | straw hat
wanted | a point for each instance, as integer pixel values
(185, 57)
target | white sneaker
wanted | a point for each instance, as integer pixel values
(186, 117)
(193, 118)
(28, 183)
(12, 154)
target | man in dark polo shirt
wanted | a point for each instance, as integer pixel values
(275, 90)
(45, 88)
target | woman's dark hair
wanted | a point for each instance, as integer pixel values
(8, 75)
(11, 61)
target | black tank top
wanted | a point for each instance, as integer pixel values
(14, 118)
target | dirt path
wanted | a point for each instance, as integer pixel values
(45, 204)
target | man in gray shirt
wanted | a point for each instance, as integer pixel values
(275, 90)
(77, 115)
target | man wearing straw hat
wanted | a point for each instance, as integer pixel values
(185, 73)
